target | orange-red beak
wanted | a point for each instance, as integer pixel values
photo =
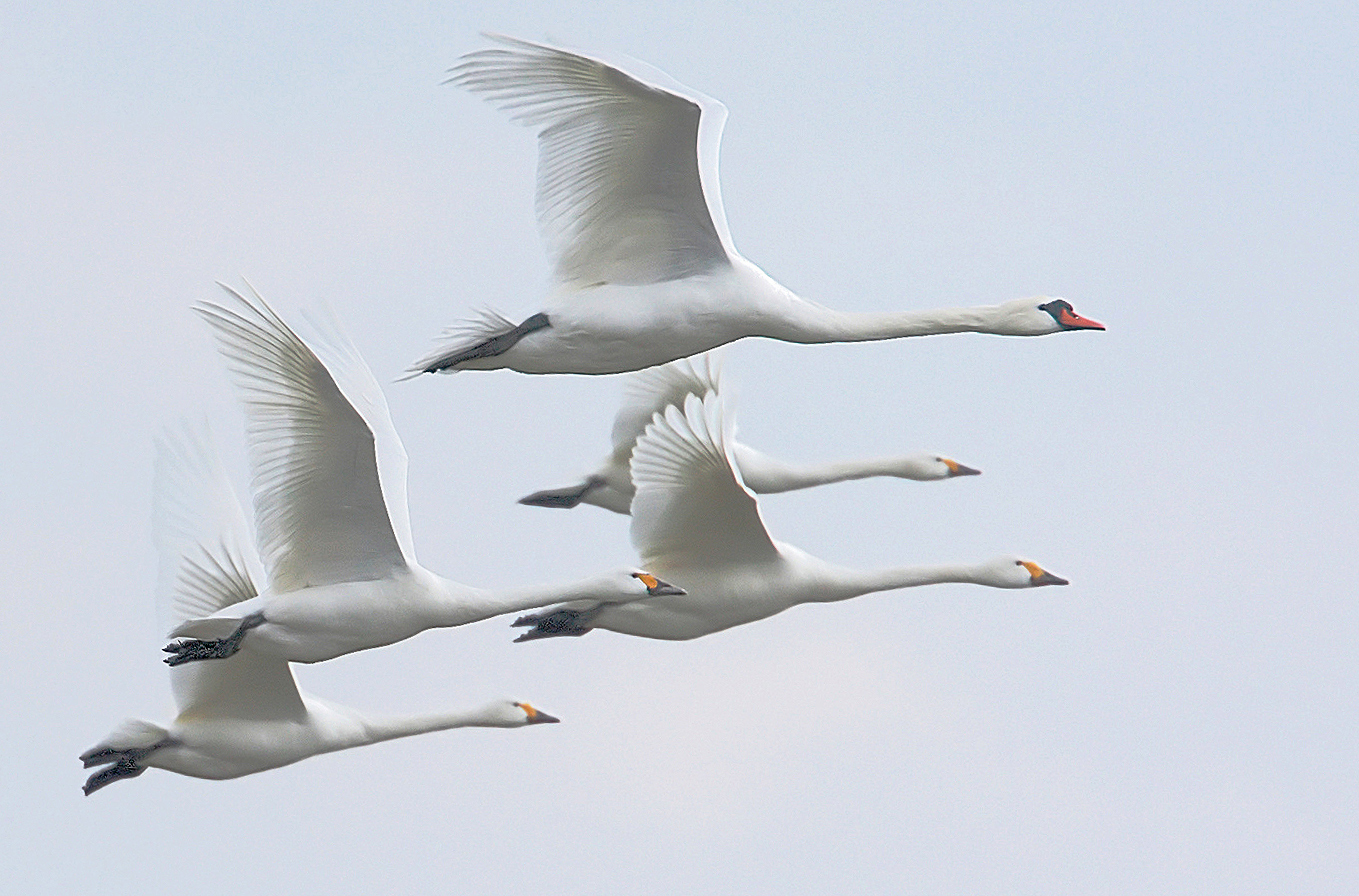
(1073, 321)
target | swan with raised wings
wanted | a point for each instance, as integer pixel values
(654, 389)
(244, 714)
(644, 267)
(329, 476)
(696, 523)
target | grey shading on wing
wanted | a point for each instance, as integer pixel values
(691, 507)
(328, 508)
(655, 388)
(207, 563)
(626, 193)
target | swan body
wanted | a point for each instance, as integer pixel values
(654, 389)
(695, 520)
(242, 714)
(645, 270)
(329, 474)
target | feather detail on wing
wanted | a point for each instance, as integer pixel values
(207, 559)
(207, 564)
(624, 194)
(691, 506)
(655, 388)
(321, 499)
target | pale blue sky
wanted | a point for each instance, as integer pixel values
(1180, 720)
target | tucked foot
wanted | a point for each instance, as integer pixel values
(120, 764)
(188, 650)
(564, 498)
(123, 768)
(556, 624)
(496, 345)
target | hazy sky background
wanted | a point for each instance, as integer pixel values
(1181, 719)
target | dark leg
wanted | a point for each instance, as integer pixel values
(564, 498)
(190, 649)
(496, 345)
(122, 764)
(557, 624)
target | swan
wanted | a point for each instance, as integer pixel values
(645, 269)
(329, 477)
(696, 523)
(655, 388)
(244, 714)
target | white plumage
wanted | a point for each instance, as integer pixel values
(644, 267)
(244, 713)
(695, 522)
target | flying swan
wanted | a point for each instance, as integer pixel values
(329, 476)
(655, 388)
(696, 523)
(644, 266)
(243, 714)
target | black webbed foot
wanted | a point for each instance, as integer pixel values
(126, 767)
(187, 650)
(557, 624)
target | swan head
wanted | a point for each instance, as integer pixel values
(514, 714)
(1016, 572)
(1039, 316)
(932, 467)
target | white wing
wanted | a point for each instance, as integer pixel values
(206, 563)
(655, 388)
(627, 171)
(691, 507)
(327, 511)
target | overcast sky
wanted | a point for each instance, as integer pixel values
(1181, 719)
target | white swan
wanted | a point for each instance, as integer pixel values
(652, 390)
(695, 521)
(329, 476)
(645, 269)
(243, 714)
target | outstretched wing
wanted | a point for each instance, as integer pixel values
(328, 470)
(691, 507)
(655, 388)
(206, 564)
(627, 171)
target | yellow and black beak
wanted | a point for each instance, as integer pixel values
(655, 587)
(1040, 576)
(957, 469)
(536, 717)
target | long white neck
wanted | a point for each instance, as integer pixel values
(375, 730)
(802, 321)
(461, 604)
(766, 475)
(849, 583)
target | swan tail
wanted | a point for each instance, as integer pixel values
(564, 498)
(485, 336)
(560, 623)
(122, 753)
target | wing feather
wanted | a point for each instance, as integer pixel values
(326, 509)
(627, 171)
(691, 507)
(206, 564)
(655, 388)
